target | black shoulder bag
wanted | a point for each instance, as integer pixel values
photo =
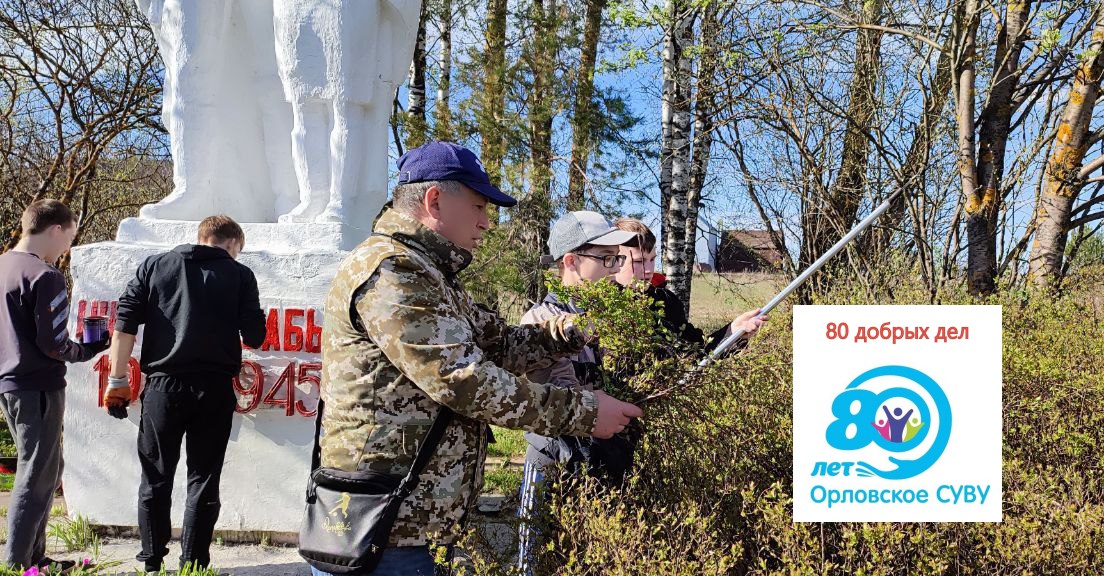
(349, 515)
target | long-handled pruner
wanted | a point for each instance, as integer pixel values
(736, 335)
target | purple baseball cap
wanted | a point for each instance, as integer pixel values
(447, 161)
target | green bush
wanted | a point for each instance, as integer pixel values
(713, 487)
(7, 444)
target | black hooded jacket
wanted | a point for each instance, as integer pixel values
(198, 305)
(676, 322)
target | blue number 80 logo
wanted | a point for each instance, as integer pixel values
(896, 419)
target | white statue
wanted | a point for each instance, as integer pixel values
(340, 62)
(226, 116)
(275, 114)
(278, 109)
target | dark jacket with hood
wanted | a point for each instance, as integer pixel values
(676, 321)
(198, 305)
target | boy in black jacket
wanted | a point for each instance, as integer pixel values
(639, 271)
(198, 305)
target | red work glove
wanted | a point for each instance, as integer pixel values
(116, 401)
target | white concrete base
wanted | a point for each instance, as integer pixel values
(275, 238)
(268, 459)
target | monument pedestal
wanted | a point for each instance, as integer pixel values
(262, 237)
(268, 458)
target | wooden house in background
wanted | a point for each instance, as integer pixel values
(746, 251)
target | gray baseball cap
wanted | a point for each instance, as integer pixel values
(575, 229)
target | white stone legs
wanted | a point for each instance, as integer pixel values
(278, 109)
(226, 110)
(340, 158)
(191, 40)
(276, 124)
(274, 110)
(312, 122)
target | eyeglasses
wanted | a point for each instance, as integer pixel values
(608, 261)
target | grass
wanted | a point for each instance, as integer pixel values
(716, 299)
(502, 477)
(508, 444)
(6, 482)
(74, 534)
(501, 480)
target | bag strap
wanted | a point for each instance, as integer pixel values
(425, 450)
(316, 453)
(429, 443)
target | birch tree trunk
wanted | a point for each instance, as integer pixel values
(677, 143)
(671, 55)
(1062, 182)
(705, 108)
(416, 128)
(442, 125)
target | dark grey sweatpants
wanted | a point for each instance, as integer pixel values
(35, 420)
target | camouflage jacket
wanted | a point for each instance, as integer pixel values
(401, 339)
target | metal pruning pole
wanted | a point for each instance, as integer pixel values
(801, 278)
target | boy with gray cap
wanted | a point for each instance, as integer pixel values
(585, 248)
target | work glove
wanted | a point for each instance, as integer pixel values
(581, 327)
(116, 401)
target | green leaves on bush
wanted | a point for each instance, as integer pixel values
(712, 493)
(640, 358)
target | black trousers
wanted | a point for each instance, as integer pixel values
(199, 410)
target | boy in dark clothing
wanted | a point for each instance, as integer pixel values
(198, 305)
(639, 271)
(34, 347)
(674, 315)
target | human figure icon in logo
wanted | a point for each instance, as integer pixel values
(883, 428)
(897, 423)
(912, 428)
(342, 505)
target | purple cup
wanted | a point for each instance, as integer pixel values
(95, 329)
